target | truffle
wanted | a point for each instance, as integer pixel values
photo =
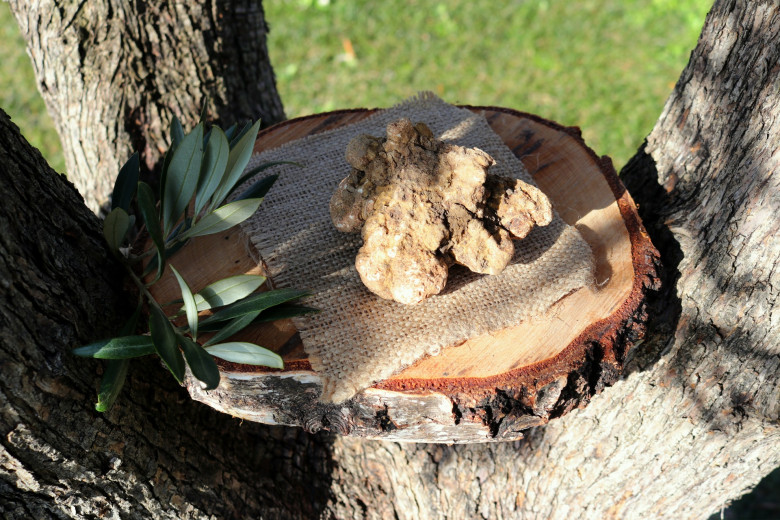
(423, 204)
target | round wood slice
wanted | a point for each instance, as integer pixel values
(494, 386)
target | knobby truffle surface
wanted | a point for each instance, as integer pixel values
(423, 204)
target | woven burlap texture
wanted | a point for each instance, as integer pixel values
(358, 339)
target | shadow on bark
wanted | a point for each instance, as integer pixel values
(249, 469)
(664, 306)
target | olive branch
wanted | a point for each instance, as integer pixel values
(200, 172)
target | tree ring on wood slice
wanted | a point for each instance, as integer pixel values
(491, 387)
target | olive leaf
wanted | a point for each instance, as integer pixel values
(246, 353)
(165, 343)
(149, 214)
(177, 132)
(237, 161)
(234, 326)
(182, 177)
(111, 383)
(224, 218)
(227, 291)
(201, 363)
(258, 189)
(115, 227)
(255, 302)
(215, 161)
(125, 185)
(189, 303)
(123, 347)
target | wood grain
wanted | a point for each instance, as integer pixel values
(544, 355)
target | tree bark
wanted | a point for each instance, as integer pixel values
(693, 424)
(114, 73)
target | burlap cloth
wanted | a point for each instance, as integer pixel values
(358, 339)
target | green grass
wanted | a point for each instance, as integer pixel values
(603, 65)
(19, 95)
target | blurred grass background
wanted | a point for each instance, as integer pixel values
(606, 66)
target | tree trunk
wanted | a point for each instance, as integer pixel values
(113, 74)
(693, 425)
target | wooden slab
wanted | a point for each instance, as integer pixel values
(491, 387)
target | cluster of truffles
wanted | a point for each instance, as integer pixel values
(423, 205)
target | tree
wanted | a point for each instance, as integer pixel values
(693, 424)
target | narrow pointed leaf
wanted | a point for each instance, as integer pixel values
(165, 342)
(123, 347)
(246, 353)
(115, 227)
(279, 312)
(111, 384)
(201, 363)
(255, 302)
(238, 134)
(177, 132)
(237, 161)
(182, 177)
(227, 291)
(254, 171)
(285, 311)
(231, 131)
(224, 218)
(259, 189)
(125, 185)
(204, 110)
(189, 303)
(148, 210)
(234, 326)
(212, 170)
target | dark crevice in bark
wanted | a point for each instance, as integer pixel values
(663, 307)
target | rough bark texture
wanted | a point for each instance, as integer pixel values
(114, 73)
(694, 425)
(158, 454)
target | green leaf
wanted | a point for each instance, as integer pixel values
(231, 131)
(182, 177)
(204, 110)
(255, 302)
(224, 218)
(201, 363)
(246, 353)
(111, 384)
(285, 311)
(125, 185)
(234, 326)
(148, 210)
(165, 342)
(237, 161)
(115, 227)
(124, 347)
(177, 132)
(238, 135)
(213, 168)
(254, 171)
(189, 303)
(279, 312)
(227, 290)
(259, 189)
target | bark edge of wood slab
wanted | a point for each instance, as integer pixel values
(518, 378)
